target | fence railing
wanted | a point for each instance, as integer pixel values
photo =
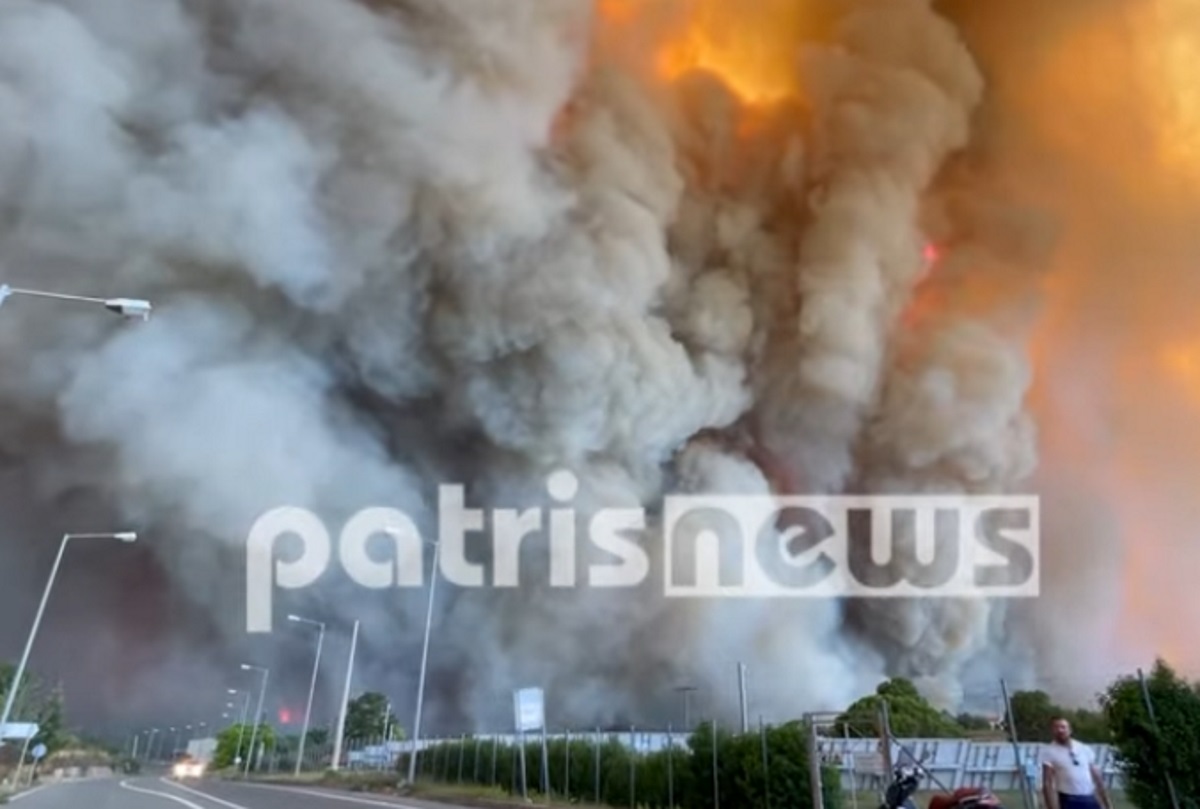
(949, 763)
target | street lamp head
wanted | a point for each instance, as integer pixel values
(246, 667)
(126, 536)
(132, 308)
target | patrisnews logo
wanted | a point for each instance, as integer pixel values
(854, 546)
(712, 547)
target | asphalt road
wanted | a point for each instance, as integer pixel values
(158, 793)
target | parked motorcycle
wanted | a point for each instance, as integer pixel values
(906, 780)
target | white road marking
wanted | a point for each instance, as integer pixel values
(332, 796)
(26, 793)
(166, 795)
(204, 795)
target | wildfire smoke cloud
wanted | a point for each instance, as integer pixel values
(802, 246)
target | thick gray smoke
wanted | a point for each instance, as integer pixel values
(393, 244)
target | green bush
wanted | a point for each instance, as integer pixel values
(1150, 750)
(610, 773)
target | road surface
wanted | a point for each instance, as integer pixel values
(160, 793)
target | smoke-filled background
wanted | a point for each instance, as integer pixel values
(673, 246)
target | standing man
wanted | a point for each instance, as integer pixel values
(1070, 777)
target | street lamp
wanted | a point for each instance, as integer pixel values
(416, 731)
(312, 688)
(124, 536)
(237, 758)
(257, 714)
(132, 308)
(150, 744)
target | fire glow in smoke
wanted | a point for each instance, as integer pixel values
(793, 245)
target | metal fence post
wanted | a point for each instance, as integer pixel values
(597, 773)
(814, 763)
(632, 769)
(762, 730)
(716, 778)
(670, 769)
(1026, 788)
(1154, 723)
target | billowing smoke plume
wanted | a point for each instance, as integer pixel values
(398, 243)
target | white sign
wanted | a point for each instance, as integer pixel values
(19, 730)
(529, 707)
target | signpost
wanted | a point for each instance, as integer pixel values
(19, 731)
(529, 711)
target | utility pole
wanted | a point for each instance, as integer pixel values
(341, 723)
(742, 697)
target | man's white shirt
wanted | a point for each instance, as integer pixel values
(1072, 767)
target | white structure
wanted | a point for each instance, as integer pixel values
(202, 749)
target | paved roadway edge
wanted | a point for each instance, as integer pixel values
(327, 795)
(16, 796)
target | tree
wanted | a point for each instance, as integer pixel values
(368, 717)
(1152, 748)
(909, 714)
(228, 751)
(36, 702)
(318, 737)
(972, 722)
(1033, 712)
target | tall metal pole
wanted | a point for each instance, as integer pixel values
(341, 723)
(15, 685)
(237, 758)
(1154, 722)
(416, 734)
(262, 695)
(715, 763)
(670, 769)
(814, 763)
(312, 690)
(1026, 787)
(742, 697)
(762, 730)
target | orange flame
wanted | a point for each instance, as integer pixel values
(751, 47)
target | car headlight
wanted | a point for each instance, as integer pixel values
(179, 771)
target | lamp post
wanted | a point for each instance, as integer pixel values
(262, 694)
(133, 308)
(312, 688)
(416, 732)
(15, 685)
(341, 723)
(237, 758)
(150, 744)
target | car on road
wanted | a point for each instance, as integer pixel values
(187, 766)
